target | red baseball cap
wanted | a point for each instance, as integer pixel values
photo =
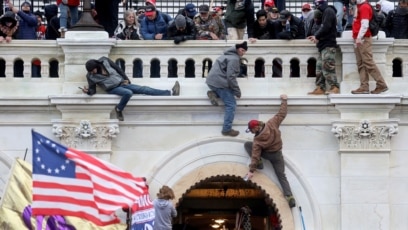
(252, 124)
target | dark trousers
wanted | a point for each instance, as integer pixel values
(278, 164)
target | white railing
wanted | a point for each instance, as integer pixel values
(73, 53)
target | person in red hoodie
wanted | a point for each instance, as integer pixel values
(363, 51)
(67, 7)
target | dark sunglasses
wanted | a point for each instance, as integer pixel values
(141, 12)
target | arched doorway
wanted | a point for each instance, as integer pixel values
(217, 202)
(200, 159)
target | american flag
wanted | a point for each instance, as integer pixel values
(69, 182)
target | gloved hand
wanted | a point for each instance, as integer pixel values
(177, 40)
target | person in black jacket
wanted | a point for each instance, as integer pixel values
(325, 40)
(397, 21)
(263, 28)
(110, 77)
(181, 29)
(289, 26)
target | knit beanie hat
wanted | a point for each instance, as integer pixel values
(243, 45)
(180, 21)
(91, 64)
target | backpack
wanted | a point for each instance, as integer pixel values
(374, 23)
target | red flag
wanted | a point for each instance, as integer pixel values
(69, 182)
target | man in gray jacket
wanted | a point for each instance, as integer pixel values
(111, 78)
(222, 80)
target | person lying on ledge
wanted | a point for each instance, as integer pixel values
(111, 78)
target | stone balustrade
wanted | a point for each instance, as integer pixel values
(294, 59)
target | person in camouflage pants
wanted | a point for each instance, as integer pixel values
(326, 68)
(325, 40)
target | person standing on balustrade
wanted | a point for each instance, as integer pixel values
(325, 40)
(363, 51)
(68, 9)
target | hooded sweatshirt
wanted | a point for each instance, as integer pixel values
(164, 212)
(225, 70)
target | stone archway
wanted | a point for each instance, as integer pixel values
(204, 158)
(220, 197)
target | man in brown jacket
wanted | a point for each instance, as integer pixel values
(268, 144)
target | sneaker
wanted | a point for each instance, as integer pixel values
(119, 114)
(333, 90)
(360, 91)
(291, 201)
(213, 97)
(232, 133)
(317, 91)
(379, 89)
(176, 89)
(260, 164)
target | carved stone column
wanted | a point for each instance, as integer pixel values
(93, 138)
(364, 133)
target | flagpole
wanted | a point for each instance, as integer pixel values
(11, 172)
(128, 218)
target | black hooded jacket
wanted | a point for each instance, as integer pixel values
(327, 31)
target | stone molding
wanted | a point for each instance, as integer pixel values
(93, 137)
(365, 135)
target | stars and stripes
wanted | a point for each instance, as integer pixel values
(72, 183)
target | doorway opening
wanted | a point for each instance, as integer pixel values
(218, 202)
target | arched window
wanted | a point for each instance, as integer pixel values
(311, 67)
(155, 68)
(244, 68)
(121, 63)
(277, 67)
(36, 68)
(18, 68)
(190, 68)
(207, 64)
(294, 68)
(259, 67)
(54, 68)
(397, 68)
(137, 68)
(172, 68)
(2, 68)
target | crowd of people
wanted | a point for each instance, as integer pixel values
(203, 22)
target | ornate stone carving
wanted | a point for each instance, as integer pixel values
(365, 135)
(86, 136)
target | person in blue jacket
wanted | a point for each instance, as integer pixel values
(27, 21)
(154, 25)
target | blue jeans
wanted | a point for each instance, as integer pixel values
(227, 96)
(64, 15)
(127, 91)
(339, 15)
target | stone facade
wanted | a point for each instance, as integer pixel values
(345, 154)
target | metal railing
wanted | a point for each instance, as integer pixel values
(173, 6)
